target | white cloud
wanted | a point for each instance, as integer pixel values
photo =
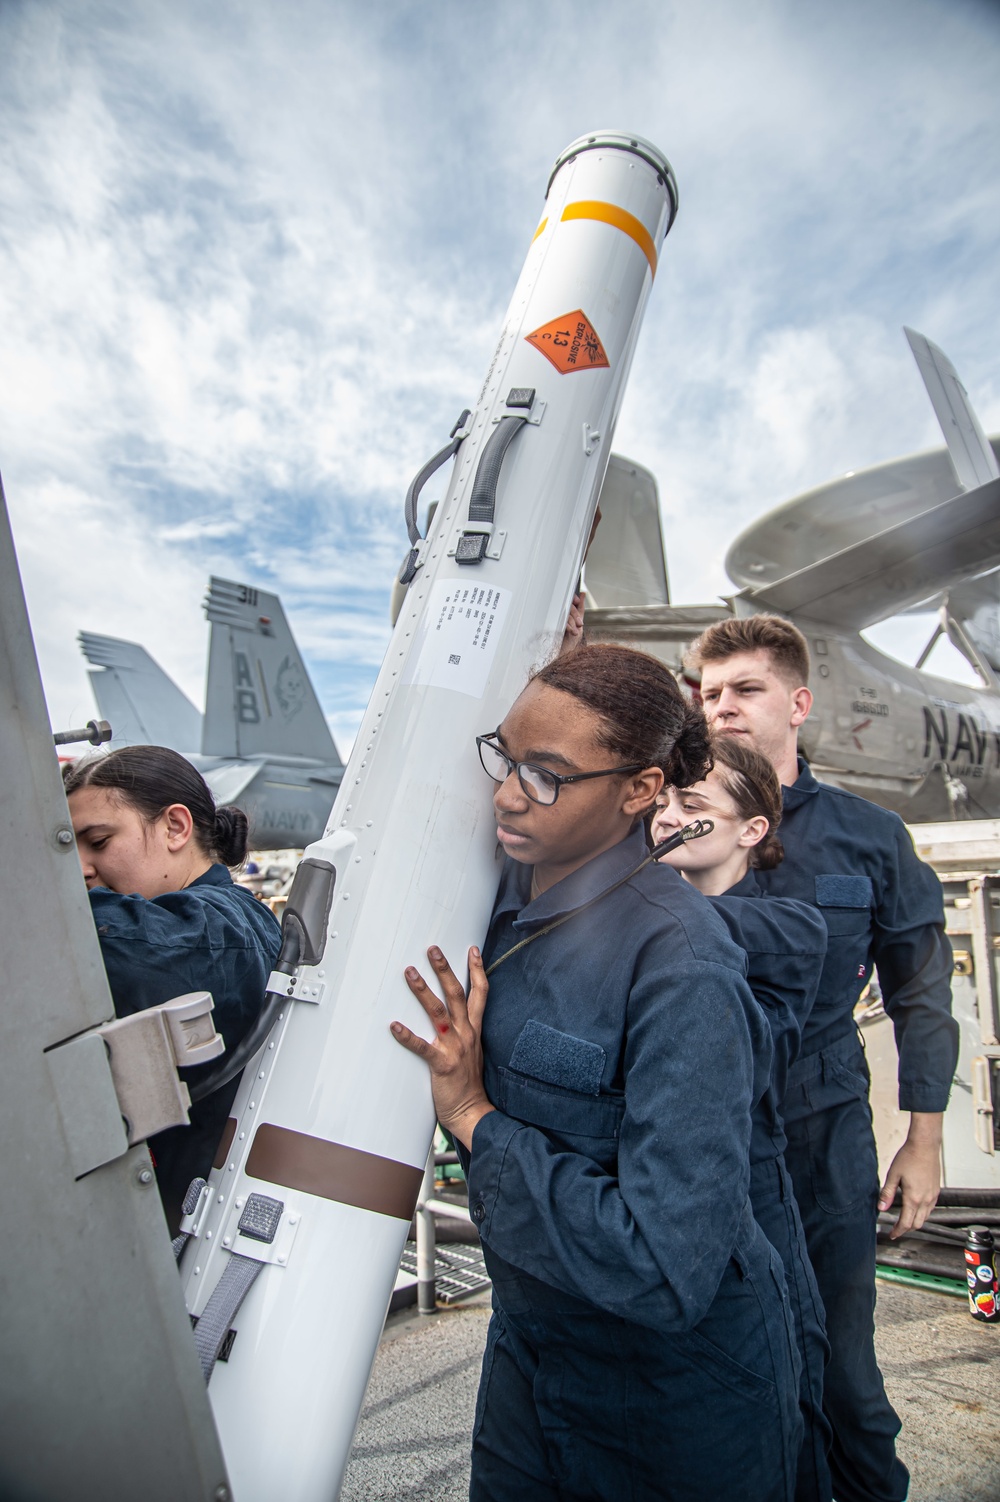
(197, 531)
(253, 261)
(86, 565)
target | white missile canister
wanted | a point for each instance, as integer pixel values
(321, 1165)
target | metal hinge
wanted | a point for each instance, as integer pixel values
(117, 1084)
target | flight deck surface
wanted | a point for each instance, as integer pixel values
(942, 1372)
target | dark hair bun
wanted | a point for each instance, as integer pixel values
(149, 779)
(768, 854)
(646, 718)
(232, 834)
(691, 759)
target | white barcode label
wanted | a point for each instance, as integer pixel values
(457, 637)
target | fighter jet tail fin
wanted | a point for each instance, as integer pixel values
(627, 565)
(259, 701)
(144, 706)
(972, 458)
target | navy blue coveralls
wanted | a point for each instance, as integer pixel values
(883, 907)
(785, 944)
(641, 1345)
(212, 936)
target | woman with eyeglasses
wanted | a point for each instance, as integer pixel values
(641, 1344)
(785, 942)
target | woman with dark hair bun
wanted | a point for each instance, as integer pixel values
(641, 1344)
(785, 943)
(170, 919)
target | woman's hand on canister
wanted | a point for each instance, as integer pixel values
(455, 1057)
(573, 635)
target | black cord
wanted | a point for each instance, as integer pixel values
(679, 837)
(257, 1036)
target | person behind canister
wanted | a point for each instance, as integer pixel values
(170, 919)
(785, 943)
(641, 1343)
(883, 908)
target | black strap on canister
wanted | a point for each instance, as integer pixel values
(679, 837)
(412, 561)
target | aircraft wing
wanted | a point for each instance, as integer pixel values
(653, 623)
(230, 778)
(895, 569)
(823, 522)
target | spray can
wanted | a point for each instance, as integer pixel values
(981, 1275)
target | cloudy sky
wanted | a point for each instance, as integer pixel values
(254, 258)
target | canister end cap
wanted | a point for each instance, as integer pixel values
(623, 140)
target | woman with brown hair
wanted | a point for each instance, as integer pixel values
(641, 1344)
(785, 943)
(155, 853)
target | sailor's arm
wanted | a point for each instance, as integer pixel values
(914, 960)
(915, 1171)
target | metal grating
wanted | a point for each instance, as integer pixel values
(459, 1271)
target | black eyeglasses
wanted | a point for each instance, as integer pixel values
(537, 783)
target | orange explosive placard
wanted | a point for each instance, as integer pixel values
(570, 343)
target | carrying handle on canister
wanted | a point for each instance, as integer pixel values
(474, 541)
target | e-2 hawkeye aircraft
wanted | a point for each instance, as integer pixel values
(919, 533)
(263, 742)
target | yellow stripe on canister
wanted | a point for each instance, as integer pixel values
(610, 213)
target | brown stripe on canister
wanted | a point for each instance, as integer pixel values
(334, 1172)
(225, 1143)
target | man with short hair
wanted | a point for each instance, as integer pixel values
(883, 907)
